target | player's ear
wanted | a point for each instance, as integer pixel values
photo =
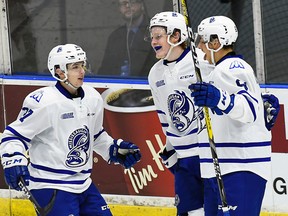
(175, 37)
(59, 72)
(216, 44)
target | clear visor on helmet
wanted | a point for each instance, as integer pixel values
(79, 66)
(197, 39)
(201, 39)
(157, 33)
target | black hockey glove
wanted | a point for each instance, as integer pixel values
(125, 153)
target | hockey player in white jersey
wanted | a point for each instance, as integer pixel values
(169, 79)
(243, 143)
(60, 127)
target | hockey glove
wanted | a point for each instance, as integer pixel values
(15, 166)
(169, 159)
(205, 94)
(271, 109)
(125, 153)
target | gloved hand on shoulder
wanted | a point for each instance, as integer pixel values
(15, 166)
(125, 153)
(207, 95)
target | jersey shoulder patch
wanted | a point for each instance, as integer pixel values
(41, 96)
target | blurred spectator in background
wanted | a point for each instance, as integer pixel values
(127, 54)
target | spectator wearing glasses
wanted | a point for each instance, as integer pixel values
(127, 54)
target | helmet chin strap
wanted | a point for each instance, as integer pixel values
(212, 56)
(171, 47)
(169, 52)
(212, 52)
(69, 84)
(66, 81)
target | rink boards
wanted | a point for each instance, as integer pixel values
(148, 188)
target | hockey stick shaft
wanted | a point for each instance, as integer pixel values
(41, 211)
(180, 6)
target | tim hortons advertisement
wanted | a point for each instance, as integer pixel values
(276, 196)
(131, 115)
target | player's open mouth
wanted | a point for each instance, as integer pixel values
(156, 48)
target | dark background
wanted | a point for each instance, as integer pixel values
(37, 25)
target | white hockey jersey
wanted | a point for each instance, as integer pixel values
(177, 113)
(61, 134)
(242, 141)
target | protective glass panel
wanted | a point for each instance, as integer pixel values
(275, 31)
(99, 27)
(239, 11)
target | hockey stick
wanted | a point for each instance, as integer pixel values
(41, 211)
(180, 6)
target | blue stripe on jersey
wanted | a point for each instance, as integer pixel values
(172, 135)
(164, 124)
(242, 92)
(237, 145)
(183, 147)
(17, 134)
(251, 106)
(249, 102)
(97, 135)
(59, 171)
(53, 181)
(15, 153)
(234, 160)
(195, 130)
(14, 138)
(160, 112)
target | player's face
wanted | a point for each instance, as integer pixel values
(76, 73)
(130, 9)
(159, 42)
(203, 46)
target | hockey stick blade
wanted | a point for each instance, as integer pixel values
(180, 6)
(41, 211)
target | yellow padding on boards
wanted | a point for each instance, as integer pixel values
(125, 210)
(19, 207)
(23, 207)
